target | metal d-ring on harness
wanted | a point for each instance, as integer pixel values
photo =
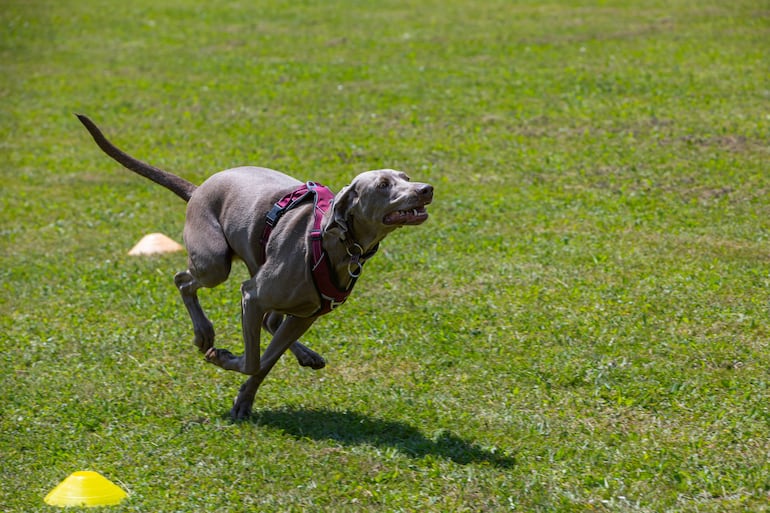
(331, 294)
(356, 265)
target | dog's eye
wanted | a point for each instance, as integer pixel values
(383, 184)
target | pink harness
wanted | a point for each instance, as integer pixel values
(332, 296)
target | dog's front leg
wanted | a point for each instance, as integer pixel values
(305, 356)
(290, 330)
(252, 315)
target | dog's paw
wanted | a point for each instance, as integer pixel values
(241, 409)
(221, 357)
(306, 357)
(204, 336)
(314, 361)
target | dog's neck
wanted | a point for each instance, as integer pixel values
(347, 253)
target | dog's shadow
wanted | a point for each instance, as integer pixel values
(351, 428)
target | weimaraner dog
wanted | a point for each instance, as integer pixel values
(304, 248)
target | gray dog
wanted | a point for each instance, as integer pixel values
(301, 267)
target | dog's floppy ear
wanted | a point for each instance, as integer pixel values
(344, 202)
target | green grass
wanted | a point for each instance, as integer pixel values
(580, 326)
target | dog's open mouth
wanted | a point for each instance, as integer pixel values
(416, 215)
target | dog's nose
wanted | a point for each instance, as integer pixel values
(425, 191)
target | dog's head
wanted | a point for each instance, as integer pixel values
(381, 201)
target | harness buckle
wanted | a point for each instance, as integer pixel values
(333, 303)
(275, 213)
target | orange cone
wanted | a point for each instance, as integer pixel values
(155, 243)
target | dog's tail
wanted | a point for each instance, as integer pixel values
(175, 184)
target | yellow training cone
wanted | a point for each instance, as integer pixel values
(85, 488)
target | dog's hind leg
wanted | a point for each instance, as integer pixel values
(204, 331)
(252, 315)
(209, 260)
(304, 355)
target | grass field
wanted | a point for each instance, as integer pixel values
(582, 325)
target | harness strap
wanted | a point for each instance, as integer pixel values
(283, 205)
(331, 294)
